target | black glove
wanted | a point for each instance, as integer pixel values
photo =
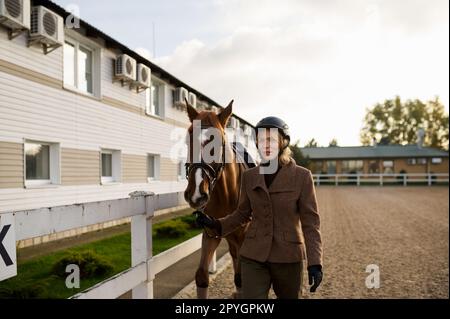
(315, 276)
(204, 220)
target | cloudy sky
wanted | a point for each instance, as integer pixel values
(315, 63)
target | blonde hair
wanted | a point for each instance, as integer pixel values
(286, 155)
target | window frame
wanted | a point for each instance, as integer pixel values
(116, 167)
(156, 167)
(54, 165)
(149, 110)
(78, 41)
(436, 158)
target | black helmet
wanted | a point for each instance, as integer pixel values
(274, 122)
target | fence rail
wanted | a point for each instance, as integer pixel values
(381, 179)
(140, 206)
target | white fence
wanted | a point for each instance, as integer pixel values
(382, 179)
(140, 206)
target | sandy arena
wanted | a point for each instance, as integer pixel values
(403, 230)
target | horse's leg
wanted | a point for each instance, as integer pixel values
(234, 245)
(209, 246)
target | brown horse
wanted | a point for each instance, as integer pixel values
(214, 188)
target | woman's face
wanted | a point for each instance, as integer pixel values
(268, 144)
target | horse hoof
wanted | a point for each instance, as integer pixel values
(202, 293)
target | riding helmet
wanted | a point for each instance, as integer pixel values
(274, 122)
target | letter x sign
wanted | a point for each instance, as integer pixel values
(8, 264)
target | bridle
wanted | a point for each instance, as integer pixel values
(212, 174)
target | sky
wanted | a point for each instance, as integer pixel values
(316, 64)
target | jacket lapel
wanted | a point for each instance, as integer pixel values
(258, 180)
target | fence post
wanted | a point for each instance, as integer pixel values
(213, 264)
(357, 180)
(318, 180)
(404, 179)
(381, 179)
(336, 180)
(429, 179)
(142, 245)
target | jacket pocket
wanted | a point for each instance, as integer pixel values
(293, 237)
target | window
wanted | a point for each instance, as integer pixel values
(69, 64)
(37, 161)
(155, 99)
(152, 167)
(81, 67)
(85, 70)
(374, 167)
(331, 167)
(436, 160)
(352, 166)
(388, 167)
(41, 163)
(411, 161)
(422, 161)
(111, 166)
(107, 167)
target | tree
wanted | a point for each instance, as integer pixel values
(333, 142)
(311, 143)
(298, 156)
(397, 122)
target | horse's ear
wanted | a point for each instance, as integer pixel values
(224, 116)
(192, 112)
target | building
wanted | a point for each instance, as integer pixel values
(378, 159)
(82, 117)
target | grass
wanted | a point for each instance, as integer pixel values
(36, 280)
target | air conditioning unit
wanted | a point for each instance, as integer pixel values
(180, 95)
(125, 69)
(15, 15)
(144, 77)
(192, 99)
(46, 28)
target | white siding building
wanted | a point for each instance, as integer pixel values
(70, 133)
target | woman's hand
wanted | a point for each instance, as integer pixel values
(204, 220)
(315, 276)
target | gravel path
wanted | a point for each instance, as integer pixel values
(402, 230)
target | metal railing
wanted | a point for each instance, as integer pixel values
(382, 179)
(140, 206)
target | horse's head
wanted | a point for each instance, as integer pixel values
(206, 155)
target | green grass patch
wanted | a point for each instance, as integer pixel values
(38, 278)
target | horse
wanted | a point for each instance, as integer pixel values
(214, 188)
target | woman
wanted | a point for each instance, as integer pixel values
(279, 200)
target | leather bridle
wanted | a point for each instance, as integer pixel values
(212, 174)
